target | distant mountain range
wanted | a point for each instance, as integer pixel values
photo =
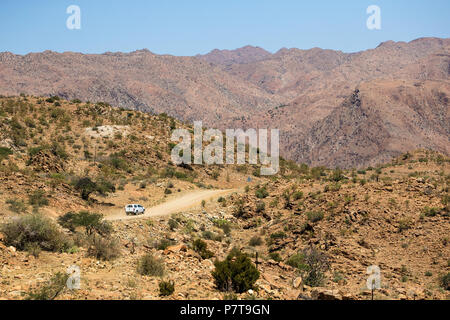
(332, 108)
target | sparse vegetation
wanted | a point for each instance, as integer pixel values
(148, 265)
(49, 291)
(103, 248)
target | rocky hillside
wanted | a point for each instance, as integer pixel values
(293, 90)
(67, 169)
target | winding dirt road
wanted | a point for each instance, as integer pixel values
(181, 203)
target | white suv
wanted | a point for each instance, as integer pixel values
(134, 209)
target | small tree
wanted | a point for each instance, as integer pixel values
(86, 186)
(236, 272)
(91, 222)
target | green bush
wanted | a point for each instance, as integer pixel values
(430, 212)
(223, 224)
(166, 288)
(255, 241)
(4, 153)
(315, 216)
(278, 235)
(275, 256)
(173, 224)
(34, 230)
(261, 193)
(445, 281)
(337, 175)
(297, 195)
(236, 272)
(201, 247)
(150, 266)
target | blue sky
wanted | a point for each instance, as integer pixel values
(189, 27)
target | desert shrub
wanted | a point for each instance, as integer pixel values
(297, 261)
(103, 248)
(91, 222)
(38, 199)
(201, 247)
(314, 216)
(297, 195)
(261, 193)
(173, 224)
(278, 235)
(239, 209)
(336, 186)
(16, 205)
(209, 235)
(166, 288)
(4, 153)
(223, 224)
(337, 175)
(33, 249)
(404, 224)
(51, 289)
(163, 244)
(105, 186)
(255, 241)
(148, 265)
(260, 206)
(36, 230)
(236, 272)
(215, 174)
(117, 161)
(445, 281)
(430, 212)
(312, 264)
(59, 151)
(275, 256)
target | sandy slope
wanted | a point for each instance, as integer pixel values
(184, 202)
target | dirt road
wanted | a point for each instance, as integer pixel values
(181, 203)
